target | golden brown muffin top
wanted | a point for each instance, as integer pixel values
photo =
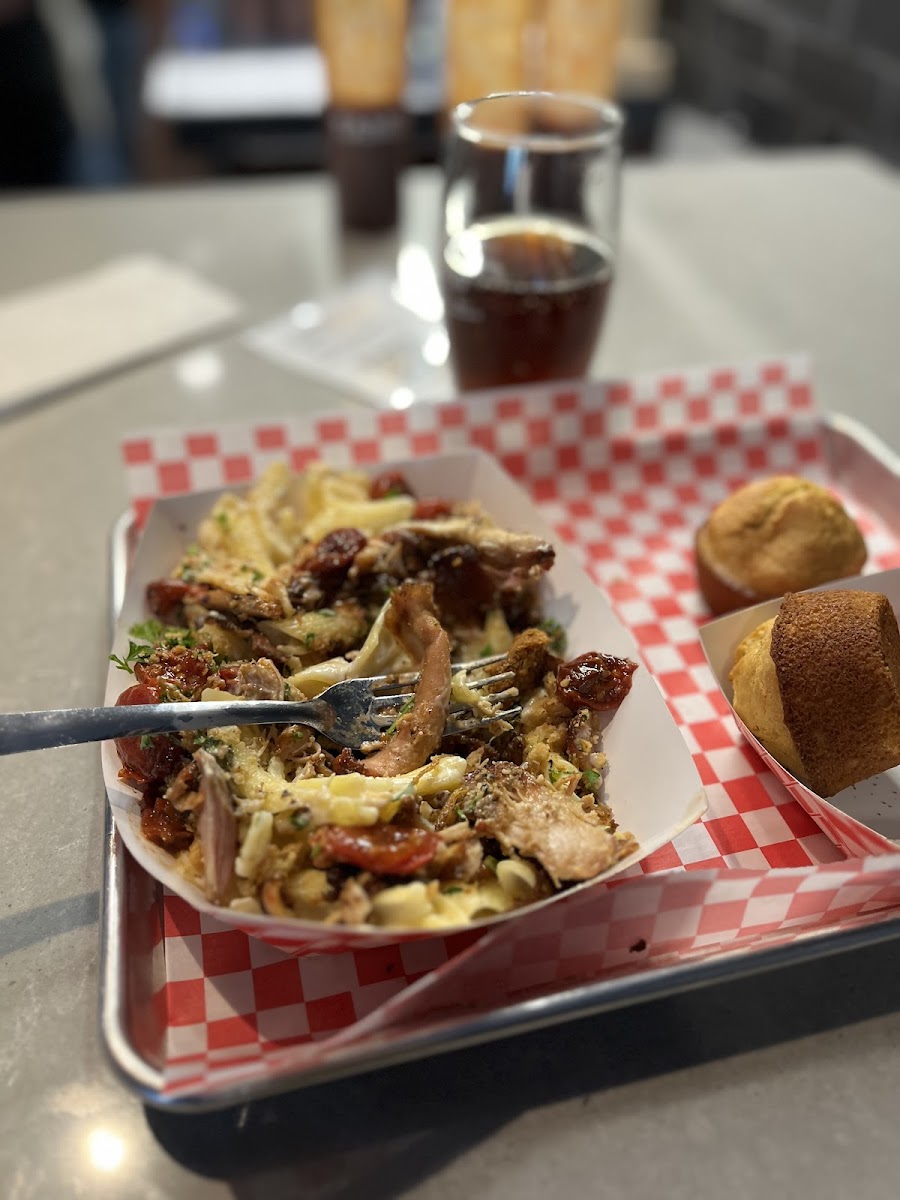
(782, 534)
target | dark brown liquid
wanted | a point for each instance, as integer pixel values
(524, 301)
(367, 149)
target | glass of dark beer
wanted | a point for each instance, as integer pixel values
(530, 210)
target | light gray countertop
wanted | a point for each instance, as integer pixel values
(783, 1084)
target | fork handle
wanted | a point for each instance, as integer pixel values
(70, 726)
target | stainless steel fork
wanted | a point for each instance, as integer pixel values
(354, 713)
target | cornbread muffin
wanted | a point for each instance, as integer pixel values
(819, 686)
(757, 700)
(777, 535)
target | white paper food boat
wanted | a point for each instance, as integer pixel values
(652, 784)
(862, 819)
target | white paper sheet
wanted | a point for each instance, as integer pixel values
(363, 338)
(64, 333)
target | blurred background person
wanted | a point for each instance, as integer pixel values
(70, 83)
(37, 132)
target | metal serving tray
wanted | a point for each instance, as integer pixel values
(133, 1024)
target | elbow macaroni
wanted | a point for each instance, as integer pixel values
(421, 905)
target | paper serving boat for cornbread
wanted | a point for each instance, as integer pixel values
(862, 819)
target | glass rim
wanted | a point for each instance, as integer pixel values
(610, 113)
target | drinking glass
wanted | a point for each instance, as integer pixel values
(530, 212)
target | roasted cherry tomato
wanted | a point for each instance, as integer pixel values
(186, 669)
(147, 760)
(595, 681)
(382, 849)
(391, 483)
(165, 598)
(333, 557)
(164, 825)
(430, 510)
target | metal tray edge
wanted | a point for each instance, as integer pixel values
(128, 1064)
(148, 1082)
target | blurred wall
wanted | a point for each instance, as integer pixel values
(793, 72)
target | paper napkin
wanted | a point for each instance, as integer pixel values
(64, 333)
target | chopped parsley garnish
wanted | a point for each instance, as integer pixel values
(553, 773)
(256, 576)
(491, 863)
(591, 779)
(146, 741)
(407, 707)
(150, 630)
(222, 519)
(136, 653)
(309, 638)
(486, 650)
(301, 818)
(451, 891)
(556, 633)
(461, 814)
(327, 612)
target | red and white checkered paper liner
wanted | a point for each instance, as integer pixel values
(626, 471)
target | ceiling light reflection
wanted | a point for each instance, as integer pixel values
(416, 286)
(307, 315)
(401, 397)
(106, 1150)
(200, 370)
(436, 348)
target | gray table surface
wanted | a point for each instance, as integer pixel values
(786, 1082)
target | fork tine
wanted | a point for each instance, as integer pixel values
(491, 680)
(454, 725)
(391, 701)
(385, 720)
(508, 714)
(386, 710)
(405, 677)
(500, 698)
(387, 703)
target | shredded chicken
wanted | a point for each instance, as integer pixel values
(182, 792)
(500, 549)
(216, 826)
(353, 905)
(459, 859)
(260, 680)
(326, 632)
(412, 621)
(529, 817)
(584, 743)
(243, 606)
(300, 753)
